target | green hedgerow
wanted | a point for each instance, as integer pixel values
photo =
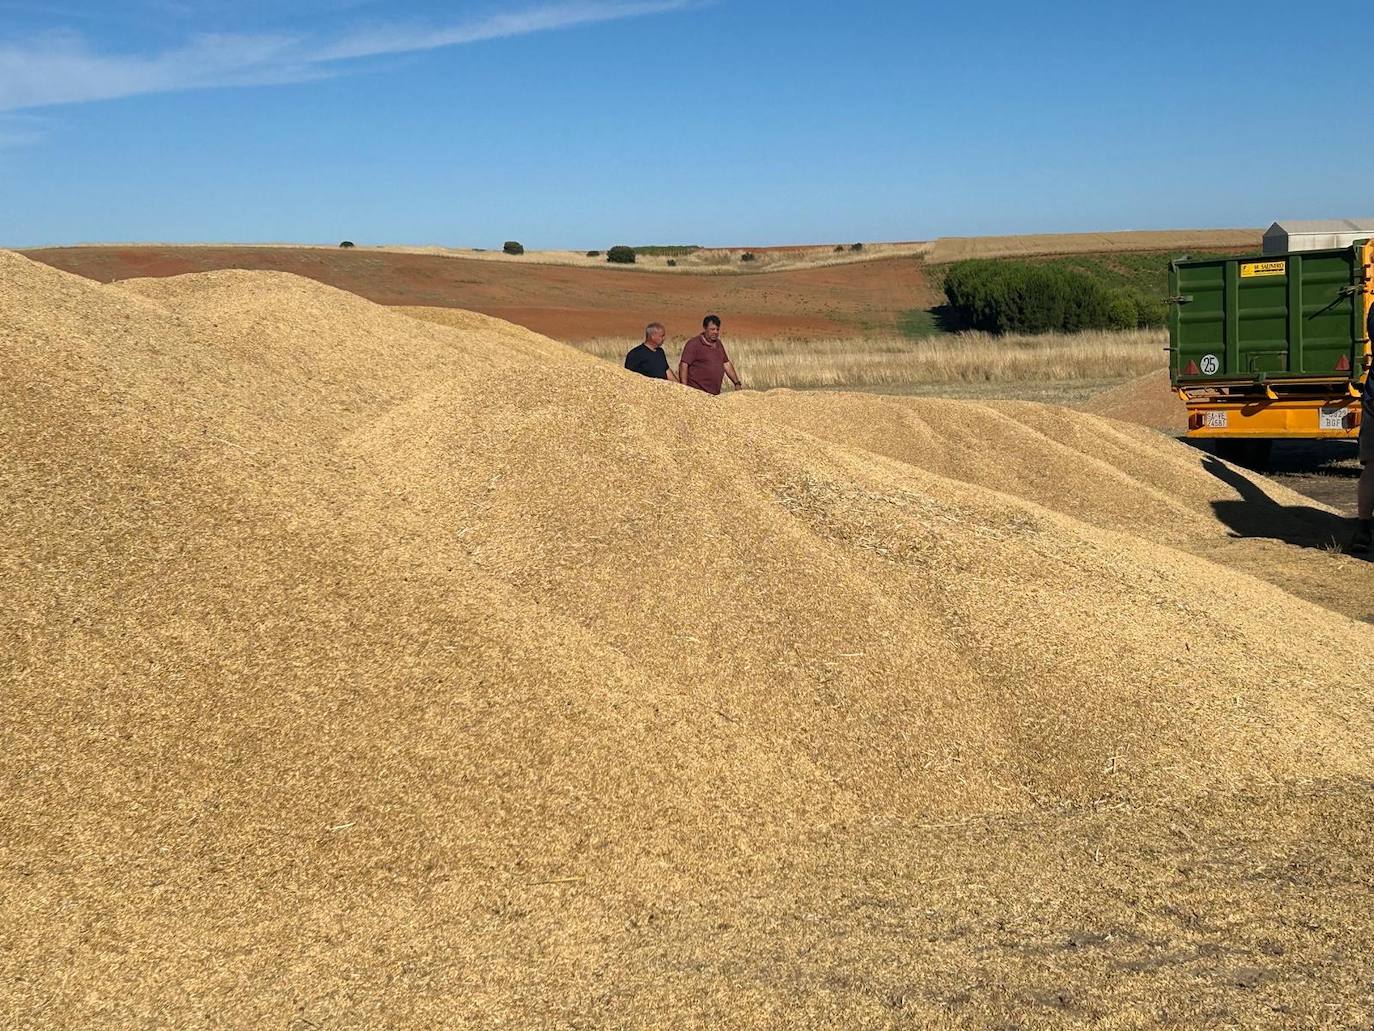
(1022, 297)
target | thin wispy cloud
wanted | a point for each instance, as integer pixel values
(21, 130)
(62, 68)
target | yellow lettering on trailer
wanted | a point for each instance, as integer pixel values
(1250, 269)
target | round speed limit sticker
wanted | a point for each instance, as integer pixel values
(1210, 365)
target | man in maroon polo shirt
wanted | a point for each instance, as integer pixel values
(704, 362)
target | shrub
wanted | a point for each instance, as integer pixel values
(621, 255)
(513, 247)
(1150, 311)
(856, 246)
(1021, 297)
(839, 248)
(1122, 311)
(593, 254)
(748, 256)
(346, 243)
(672, 263)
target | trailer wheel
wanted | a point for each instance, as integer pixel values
(1250, 454)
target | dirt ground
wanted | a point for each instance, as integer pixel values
(562, 302)
(1324, 470)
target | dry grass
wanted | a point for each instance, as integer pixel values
(894, 363)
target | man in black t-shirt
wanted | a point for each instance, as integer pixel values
(648, 358)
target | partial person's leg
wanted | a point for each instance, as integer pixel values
(1363, 540)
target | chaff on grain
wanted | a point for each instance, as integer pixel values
(277, 559)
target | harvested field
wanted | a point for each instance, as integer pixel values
(366, 672)
(957, 248)
(563, 302)
(688, 260)
(726, 260)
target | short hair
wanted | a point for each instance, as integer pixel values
(649, 329)
(711, 320)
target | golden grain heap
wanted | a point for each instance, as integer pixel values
(1148, 400)
(366, 672)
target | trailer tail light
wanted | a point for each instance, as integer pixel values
(1192, 370)
(1344, 364)
(1195, 420)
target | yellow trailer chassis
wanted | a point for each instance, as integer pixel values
(1330, 414)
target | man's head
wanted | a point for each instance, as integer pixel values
(654, 334)
(710, 328)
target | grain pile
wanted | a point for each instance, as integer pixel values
(367, 672)
(1148, 400)
(1106, 473)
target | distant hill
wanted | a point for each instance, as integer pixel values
(957, 248)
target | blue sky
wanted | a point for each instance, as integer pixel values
(582, 123)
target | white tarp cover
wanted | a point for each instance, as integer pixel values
(1322, 234)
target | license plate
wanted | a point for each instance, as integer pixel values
(1216, 420)
(1334, 418)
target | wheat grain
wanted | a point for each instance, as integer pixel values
(288, 735)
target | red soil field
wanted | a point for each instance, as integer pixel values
(563, 302)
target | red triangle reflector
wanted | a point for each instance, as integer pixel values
(1192, 370)
(1344, 364)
